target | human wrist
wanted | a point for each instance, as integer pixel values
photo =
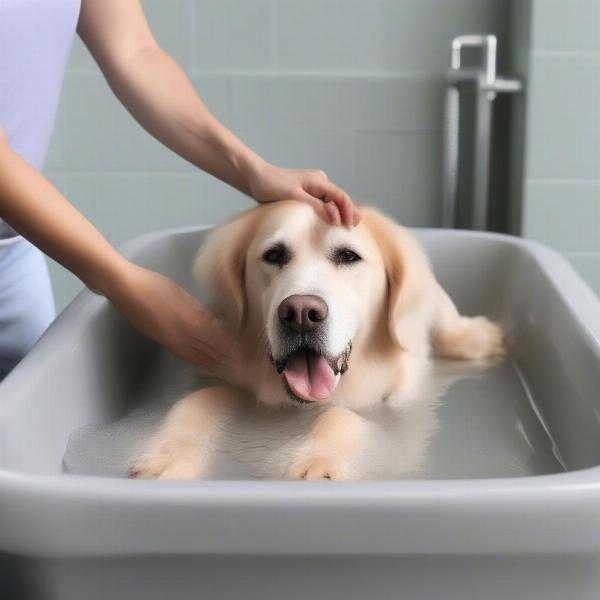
(245, 165)
(251, 168)
(110, 277)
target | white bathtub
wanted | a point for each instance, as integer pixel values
(505, 503)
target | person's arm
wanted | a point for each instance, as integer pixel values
(154, 304)
(161, 98)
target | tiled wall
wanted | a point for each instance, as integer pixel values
(352, 87)
(561, 193)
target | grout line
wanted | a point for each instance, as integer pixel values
(581, 254)
(338, 73)
(229, 100)
(398, 132)
(126, 174)
(563, 181)
(275, 36)
(194, 44)
(381, 74)
(354, 161)
(570, 53)
(379, 59)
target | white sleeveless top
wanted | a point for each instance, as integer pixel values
(35, 41)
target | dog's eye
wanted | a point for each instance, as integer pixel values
(277, 255)
(344, 256)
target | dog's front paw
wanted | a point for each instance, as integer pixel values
(487, 339)
(163, 464)
(319, 466)
(474, 339)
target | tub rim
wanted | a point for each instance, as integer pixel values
(102, 503)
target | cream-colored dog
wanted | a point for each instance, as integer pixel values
(334, 318)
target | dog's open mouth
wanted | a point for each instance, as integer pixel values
(311, 376)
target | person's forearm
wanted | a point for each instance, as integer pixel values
(161, 98)
(37, 210)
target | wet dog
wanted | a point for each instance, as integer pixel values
(334, 318)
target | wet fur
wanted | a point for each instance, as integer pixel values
(406, 316)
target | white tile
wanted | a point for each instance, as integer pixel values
(566, 25)
(213, 89)
(172, 24)
(80, 57)
(97, 133)
(335, 103)
(401, 174)
(54, 154)
(123, 206)
(564, 215)
(563, 132)
(333, 152)
(234, 34)
(416, 34)
(328, 35)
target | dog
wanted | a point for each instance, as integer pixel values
(331, 318)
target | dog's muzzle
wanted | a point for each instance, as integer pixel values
(309, 375)
(302, 314)
(309, 372)
(338, 364)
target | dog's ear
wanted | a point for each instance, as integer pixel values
(220, 268)
(409, 280)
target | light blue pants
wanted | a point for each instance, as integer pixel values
(26, 301)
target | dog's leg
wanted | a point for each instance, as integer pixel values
(466, 338)
(180, 448)
(333, 440)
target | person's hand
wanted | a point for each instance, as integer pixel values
(269, 184)
(167, 314)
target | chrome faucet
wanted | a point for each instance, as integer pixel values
(487, 85)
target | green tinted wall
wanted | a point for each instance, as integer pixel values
(352, 87)
(560, 53)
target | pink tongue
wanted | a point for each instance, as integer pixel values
(309, 376)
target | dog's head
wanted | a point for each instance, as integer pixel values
(308, 296)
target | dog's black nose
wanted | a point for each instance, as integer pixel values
(302, 313)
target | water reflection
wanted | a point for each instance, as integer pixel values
(473, 421)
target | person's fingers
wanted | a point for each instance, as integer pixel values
(324, 210)
(214, 341)
(210, 353)
(333, 213)
(343, 203)
(337, 202)
(205, 354)
(198, 357)
(231, 368)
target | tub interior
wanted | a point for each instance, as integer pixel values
(93, 389)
